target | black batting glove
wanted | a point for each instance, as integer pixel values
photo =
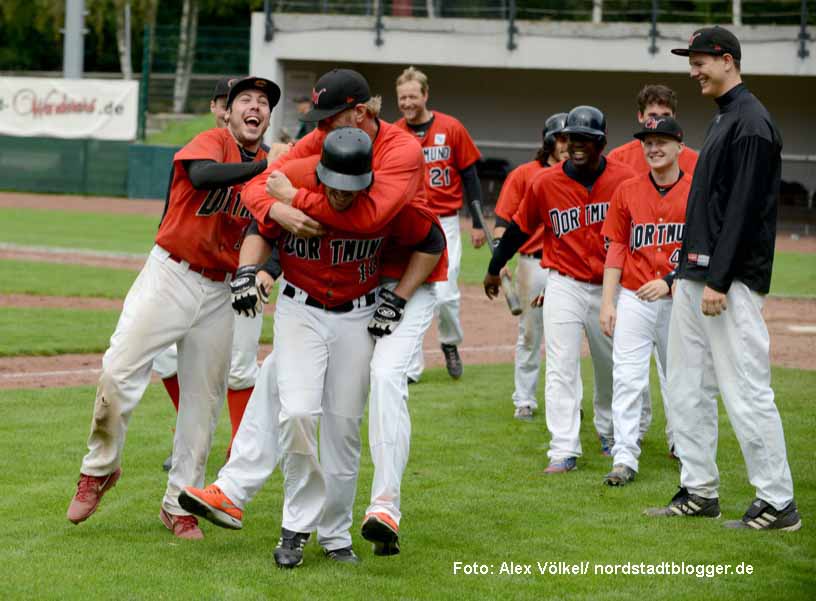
(388, 314)
(245, 297)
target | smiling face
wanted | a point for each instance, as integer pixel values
(711, 72)
(412, 101)
(661, 151)
(584, 151)
(248, 118)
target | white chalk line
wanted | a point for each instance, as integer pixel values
(806, 329)
(57, 250)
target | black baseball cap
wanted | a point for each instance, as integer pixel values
(712, 40)
(268, 87)
(661, 126)
(336, 91)
(222, 87)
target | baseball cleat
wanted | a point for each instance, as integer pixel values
(90, 490)
(182, 526)
(168, 463)
(212, 505)
(412, 380)
(524, 414)
(687, 504)
(452, 360)
(381, 530)
(289, 552)
(606, 445)
(562, 466)
(761, 515)
(620, 475)
(344, 555)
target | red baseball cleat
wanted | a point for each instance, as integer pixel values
(89, 492)
(182, 526)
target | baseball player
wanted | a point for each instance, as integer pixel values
(247, 332)
(182, 295)
(342, 264)
(571, 201)
(531, 277)
(644, 227)
(717, 337)
(341, 98)
(653, 101)
(450, 161)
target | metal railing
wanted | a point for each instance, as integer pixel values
(734, 12)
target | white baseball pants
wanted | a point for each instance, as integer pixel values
(167, 304)
(389, 423)
(323, 361)
(730, 351)
(640, 327)
(531, 279)
(570, 309)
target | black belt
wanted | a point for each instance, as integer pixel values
(537, 254)
(311, 301)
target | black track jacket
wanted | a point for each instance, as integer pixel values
(731, 215)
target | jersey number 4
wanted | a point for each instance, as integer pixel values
(674, 259)
(439, 176)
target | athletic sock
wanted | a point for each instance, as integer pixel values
(236, 402)
(171, 385)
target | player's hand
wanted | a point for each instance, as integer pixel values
(388, 314)
(505, 271)
(492, 283)
(295, 221)
(264, 282)
(278, 186)
(538, 301)
(609, 316)
(477, 238)
(652, 291)
(277, 149)
(245, 299)
(713, 302)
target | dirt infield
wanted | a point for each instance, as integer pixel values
(490, 329)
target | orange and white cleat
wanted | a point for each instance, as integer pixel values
(212, 505)
(381, 529)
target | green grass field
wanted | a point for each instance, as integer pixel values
(473, 492)
(178, 133)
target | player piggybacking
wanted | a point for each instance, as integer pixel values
(182, 295)
(450, 170)
(644, 227)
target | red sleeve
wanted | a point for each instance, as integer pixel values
(398, 179)
(208, 145)
(616, 255)
(529, 214)
(254, 196)
(302, 172)
(511, 194)
(616, 225)
(465, 151)
(412, 225)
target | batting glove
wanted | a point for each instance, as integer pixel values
(388, 314)
(245, 298)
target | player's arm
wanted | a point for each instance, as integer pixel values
(207, 174)
(616, 230)
(398, 179)
(259, 267)
(473, 192)
(508, 202)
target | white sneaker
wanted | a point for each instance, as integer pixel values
(523, 413)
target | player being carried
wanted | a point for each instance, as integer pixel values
(644, 227)
(450, 169)
(182, 296)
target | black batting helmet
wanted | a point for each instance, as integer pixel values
(586, 121)
(345, 163)
(553, 126)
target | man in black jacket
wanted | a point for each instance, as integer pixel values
(717, 336)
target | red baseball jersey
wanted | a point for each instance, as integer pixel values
(448, 149)
(649, 225)
(205, 227)
(572, 217)
(341, 265)
(397, 163)
(631, 153)
(510, 197)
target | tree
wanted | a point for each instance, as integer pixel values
(188, 30)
